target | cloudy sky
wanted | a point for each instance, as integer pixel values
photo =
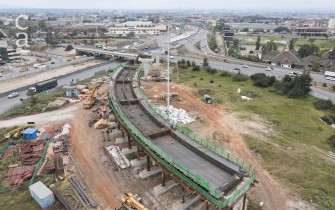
(172, 4)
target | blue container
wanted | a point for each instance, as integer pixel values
(30, 133)
(42, 194)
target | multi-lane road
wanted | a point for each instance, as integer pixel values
(6, 103)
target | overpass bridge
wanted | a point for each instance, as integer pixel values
(95, 51)
(218, 177)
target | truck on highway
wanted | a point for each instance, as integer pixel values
(42, 86)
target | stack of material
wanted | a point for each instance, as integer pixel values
(18, 175)
(118, 156)
(176, 115)
(84, 198)
(102, 123)
(65, 131)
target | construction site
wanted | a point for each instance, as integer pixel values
(125, 153)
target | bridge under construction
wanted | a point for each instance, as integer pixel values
(219, 178)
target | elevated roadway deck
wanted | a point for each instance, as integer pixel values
(210, 172)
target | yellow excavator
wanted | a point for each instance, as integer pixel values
(131, 201)
(89, 102)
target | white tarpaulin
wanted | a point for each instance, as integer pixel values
(176, 115)
(65, 131)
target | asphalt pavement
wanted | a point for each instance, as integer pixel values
(6, 103)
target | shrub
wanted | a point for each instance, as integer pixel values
(219, 86)
(201, 78)
(196, 68)
(211, 81)
(211, 70)
(183, 66)
(331, 140)
(324, 85)
(239, 78)
(323, 104)
(326, 120)
(225, 74)
(261, 80)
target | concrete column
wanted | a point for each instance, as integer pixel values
(207, 206)
(183, 199)
(129, 144)
(138, 152)
(118, 125)
(244, 201)
(163, 179)
(122, 131)
(148, 163)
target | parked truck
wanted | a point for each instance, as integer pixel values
(42, 86)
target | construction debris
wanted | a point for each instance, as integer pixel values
(118, 156)
(77, 167)
(65, 131)
(102, 123)
(82, 195)
(176, 115)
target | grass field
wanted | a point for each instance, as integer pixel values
(321, 43)
(296, 153)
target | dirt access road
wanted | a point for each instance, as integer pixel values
(274, 196)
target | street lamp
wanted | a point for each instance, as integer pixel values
(168, 70)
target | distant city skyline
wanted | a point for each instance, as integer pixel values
(174, 4)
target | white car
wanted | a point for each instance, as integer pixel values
(328, 78)
(268, 68)
(332, 79)
(245, 66)
(13, 95)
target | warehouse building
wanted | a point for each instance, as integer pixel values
(137, 27)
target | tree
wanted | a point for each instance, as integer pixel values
(245, 30)
(258, 42)
(69, 48)
(316, 67)
(281, 29)
(308, 49)
(299, 87)
(261, 80)
(131, 34)
(269, 47)
(193, 64)
(205, 63)
(291, 44)
(42, 24)
(188, 63)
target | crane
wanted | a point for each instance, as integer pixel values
(89, 102)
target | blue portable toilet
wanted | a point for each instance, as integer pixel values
(30, 133)
(72, 92)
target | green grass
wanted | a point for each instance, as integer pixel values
(40, 104)
(306, 169)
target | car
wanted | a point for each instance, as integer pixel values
(268, 68)
(328, 78)
(171, 57)
(332, 79)
(53, 62)
(245, 66)
(13, 95)
(295, 74)
(1, 75)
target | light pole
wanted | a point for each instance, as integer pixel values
(168, 70)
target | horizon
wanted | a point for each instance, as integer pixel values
(284, 5)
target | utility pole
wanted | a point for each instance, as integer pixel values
(168, 70)
(96, 28)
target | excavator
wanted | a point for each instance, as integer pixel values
(131, 201)
(89, 102)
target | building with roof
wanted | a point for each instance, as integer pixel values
(30, 133)
(310, 60)
(331, 25)
(286, 59)
(328, 61)
(137, 27)
(312, 32)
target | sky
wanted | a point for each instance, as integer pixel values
(173, 4)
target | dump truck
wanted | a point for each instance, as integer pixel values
(90, 101)
(208, 99)
(133, 201)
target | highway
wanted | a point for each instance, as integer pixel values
(6, 103)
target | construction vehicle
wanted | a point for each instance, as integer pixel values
(208, 99)
(90, 101)
(133, 202)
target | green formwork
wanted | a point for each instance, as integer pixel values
(186, 175)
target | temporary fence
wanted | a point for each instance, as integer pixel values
(40, 162)
(186, 175)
